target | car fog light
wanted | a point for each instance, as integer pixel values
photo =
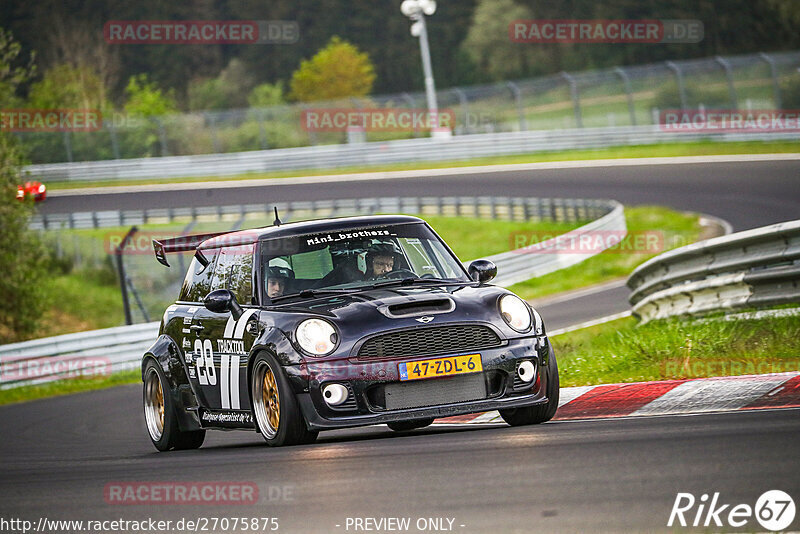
(526, 371)
(335, 394)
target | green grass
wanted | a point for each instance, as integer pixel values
(82, 302)
(639, 151)
(677, 229)
(471, 239)
(621, 351)
(65, 387)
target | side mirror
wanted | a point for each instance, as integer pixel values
(482, 270)
(221, 301)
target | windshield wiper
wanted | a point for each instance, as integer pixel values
(411, 281)
(311, 293)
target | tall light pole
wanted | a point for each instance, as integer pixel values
(416, 11)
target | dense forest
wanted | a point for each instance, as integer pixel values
(469, 40)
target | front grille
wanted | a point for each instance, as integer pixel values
(429, 341)
(463, 388)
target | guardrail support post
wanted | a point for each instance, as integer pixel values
(68, 145)
(464, 103)
(626, 81)
(212, 126)
(123, 279)
(679, 79)
(112, 133)
(162, 136)
(729, 76)
(518, 99)
(576, 102)
(774, 73)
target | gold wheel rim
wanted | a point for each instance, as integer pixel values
(272, 403)
(154, 407)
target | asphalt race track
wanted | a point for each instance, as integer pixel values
(57, 455)
(747, 194)
(579, 476)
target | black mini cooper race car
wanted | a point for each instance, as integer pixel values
(301, 327)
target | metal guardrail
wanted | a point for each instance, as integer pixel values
(462, 147)
(521, 264)
(756, 268)
(97, 352)
(520, 209)
(120, 348)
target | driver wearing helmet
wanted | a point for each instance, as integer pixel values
(382, 258)
(278, 274)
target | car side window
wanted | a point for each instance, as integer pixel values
(197, 283)
(234, 271)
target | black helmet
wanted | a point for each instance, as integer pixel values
(384, 248)
(281, 272)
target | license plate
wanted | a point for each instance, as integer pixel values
(452, 365)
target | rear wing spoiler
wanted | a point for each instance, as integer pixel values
(182, 243)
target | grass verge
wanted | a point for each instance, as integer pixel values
(699, 148)
(621, 351)
(64, 387)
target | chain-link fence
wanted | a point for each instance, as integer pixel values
(622, 96)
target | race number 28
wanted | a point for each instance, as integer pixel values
(207, 373)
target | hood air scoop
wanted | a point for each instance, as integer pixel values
(417, 306)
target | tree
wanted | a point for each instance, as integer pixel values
(489, 46)
(337, 71)
(65, 86)
(145, 99)
(21, 253)
(266, 95)
(227, 91)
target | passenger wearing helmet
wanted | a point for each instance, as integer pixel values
(277, 276)
(382, 258)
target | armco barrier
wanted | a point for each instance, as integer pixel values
(43, 360)
(752, 269)
(463, 147)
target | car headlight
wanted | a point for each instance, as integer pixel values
(41, 188)
(515, 312)
(316, 336)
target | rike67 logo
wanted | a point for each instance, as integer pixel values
(774, 510)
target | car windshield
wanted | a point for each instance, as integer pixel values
(355, 259)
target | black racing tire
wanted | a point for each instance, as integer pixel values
(159, 413)
(402, 426)
(275, 407)
(542, 413)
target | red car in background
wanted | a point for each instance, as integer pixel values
(37, 190)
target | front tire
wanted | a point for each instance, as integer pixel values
(275, 406)
(534, 415)
(159, 414)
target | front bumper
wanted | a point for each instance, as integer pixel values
(364, 379)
